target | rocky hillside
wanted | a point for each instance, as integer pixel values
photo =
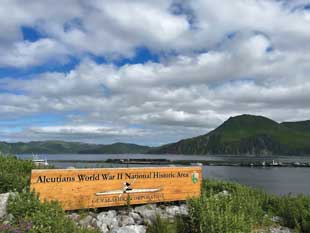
(247, 135)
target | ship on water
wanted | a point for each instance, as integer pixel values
(39, 162)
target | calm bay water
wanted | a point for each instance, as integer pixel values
(278, 180)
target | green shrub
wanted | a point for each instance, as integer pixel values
(14, 173)
(47, 217)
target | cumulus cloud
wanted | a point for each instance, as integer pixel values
(24, 54)
(112, 30)
(217, 59)
(117, 28)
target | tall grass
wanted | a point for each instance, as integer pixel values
(225, 207)
(233, 208)
(159, 225)
(294, 210)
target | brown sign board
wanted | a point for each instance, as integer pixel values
(93, 188)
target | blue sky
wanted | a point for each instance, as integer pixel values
(149, 72)
(30, 34)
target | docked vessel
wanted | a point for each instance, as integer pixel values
(39, 162)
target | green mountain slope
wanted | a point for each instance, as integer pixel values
(244, 135)
(48, 147)
(57, 147)
(117, 148)
(302, 126)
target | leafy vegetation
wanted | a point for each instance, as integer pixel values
(247, 135)
(226, 207)
(47, 217)
(230, 207)
(22, 227)
(14, 173)
(295, 211)
(54, 147)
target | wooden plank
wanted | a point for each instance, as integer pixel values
(93, 188)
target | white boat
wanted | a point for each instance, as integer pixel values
(39, 162)
(119, 191)
(196, 164)
(274, 163)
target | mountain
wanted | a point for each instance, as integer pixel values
(240, 135)
(247, 135)
(302, 126)
(59, 147)
(117, 148)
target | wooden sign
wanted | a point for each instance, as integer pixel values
(92, 188)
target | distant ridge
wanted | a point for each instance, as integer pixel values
(117, 148)
(239, 135)
(62, 147)
(247, 135)
(302, 126)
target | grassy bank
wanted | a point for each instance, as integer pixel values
(230, 207)
(223, 207)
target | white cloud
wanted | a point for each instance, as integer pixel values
(233, 57)
(117, 28)
(24, 54)
(87, 130)
(195, 93)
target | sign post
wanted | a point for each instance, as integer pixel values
(93, 188)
